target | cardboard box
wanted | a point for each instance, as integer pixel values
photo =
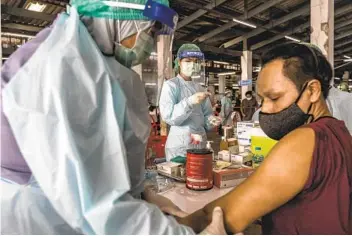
(170, 168)
(231, 177)
(244, 133)
(233, 145)
(224, 156)
(245, 158)
(228, 132)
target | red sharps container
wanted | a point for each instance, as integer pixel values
(199, 169)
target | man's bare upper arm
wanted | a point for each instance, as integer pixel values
(282, 176)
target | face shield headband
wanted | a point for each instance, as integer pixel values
(166, 17)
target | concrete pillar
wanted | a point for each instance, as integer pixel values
(247, 68)
(222, 85)
(164, 54)
(138, 69)
(322, 27)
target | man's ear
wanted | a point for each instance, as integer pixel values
(314, 88)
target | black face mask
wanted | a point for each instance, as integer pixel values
(277, 125)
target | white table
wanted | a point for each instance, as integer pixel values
(189, 200)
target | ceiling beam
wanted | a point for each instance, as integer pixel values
(300, 12)
(21, 27)
(199, 13)
(280, 36)
(230, 24)
(26, 13)
(7, 51)
(344, 35)
(337, 45)
(343, 10)
(208, 48)
(342, 51)
(343, 24)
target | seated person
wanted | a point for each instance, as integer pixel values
(304, 184)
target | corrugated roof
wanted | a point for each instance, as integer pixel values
(210, 21)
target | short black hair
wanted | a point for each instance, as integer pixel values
(302, 62)
(249, 93)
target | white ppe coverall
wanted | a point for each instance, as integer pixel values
(83, 132)
(340, 106)
(184, 118)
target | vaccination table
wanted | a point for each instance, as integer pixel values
(189, 200)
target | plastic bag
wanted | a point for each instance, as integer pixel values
(159, 183)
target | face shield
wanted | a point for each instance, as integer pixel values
(159, 27)
(163, 30)
(192, 64)
(163, 18)
(134, 37)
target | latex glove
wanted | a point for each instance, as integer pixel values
(216, 226)
(196, 139)
(174, 211)
(214, 120)
(165, 204)
(198, 98)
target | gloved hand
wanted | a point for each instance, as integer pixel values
(214, 120)
(198, 98)
(165, 204)
(216, 226)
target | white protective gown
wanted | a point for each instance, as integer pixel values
(340, 106)
(81, 122)
(183, 117)
(226, 111)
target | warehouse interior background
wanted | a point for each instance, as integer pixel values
(224, 30)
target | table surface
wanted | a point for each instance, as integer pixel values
(190, 200)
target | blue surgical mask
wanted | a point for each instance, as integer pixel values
(141, 50)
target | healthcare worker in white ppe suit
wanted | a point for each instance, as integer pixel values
(340, 104)
(226, 108)
(75, 125)
(185, 105)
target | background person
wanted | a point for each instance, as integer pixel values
(311, 165)
(248, 106)
(226, 109)
(340, 105)
(184, 104)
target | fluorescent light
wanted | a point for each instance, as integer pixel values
(227, 73)
(244, 23)
(347, 57)
(221, 62)
(293, 39)
(216, 84)
(256, 68)
(38, 7)
(153, 54)
(125, 5)
(17, 35)
(150, 84)
(5, 58)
